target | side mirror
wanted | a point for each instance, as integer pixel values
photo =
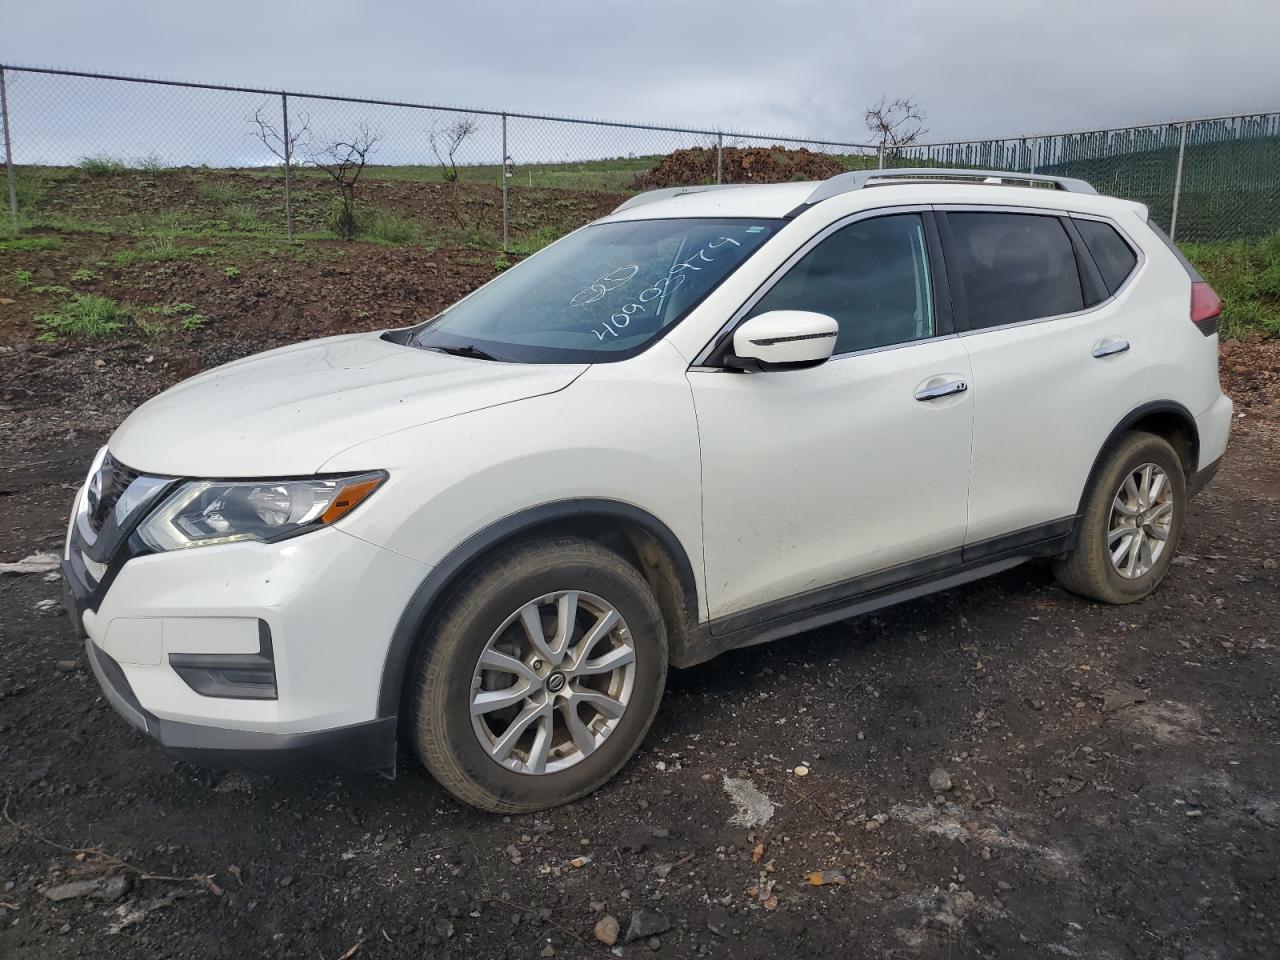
(784, 339)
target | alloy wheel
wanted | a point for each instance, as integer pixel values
(553, 682)
(1141, 520)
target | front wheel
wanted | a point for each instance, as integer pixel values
(540, 677)
(1130, 525)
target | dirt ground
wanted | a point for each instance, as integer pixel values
(1114, 778)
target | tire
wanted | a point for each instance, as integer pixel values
(484, 616)
(1088, 569)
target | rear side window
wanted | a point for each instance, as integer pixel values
(1114, 257)
(1014, 267)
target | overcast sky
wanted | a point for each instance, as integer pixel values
(978, 67)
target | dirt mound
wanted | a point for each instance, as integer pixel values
(774, 164)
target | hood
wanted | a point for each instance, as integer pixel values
(285, 412)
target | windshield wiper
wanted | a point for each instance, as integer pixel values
(467, 350)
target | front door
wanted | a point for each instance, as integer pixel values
(813, 477)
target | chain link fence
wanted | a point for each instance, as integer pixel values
(1203, 180)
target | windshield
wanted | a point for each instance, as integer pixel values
(603, 293)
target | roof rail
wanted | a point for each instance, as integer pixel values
(649, 196)
(858, 179)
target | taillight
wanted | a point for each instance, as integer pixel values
(1205, 303)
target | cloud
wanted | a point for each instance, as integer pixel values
(980, 68)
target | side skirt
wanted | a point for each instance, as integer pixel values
(861, 595)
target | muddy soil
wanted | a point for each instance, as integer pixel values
(1111, 787)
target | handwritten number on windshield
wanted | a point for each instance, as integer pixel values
(610, 281)
(675, 277)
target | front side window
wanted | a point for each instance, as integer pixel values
(1014, 267)
(871, 276)
(603, 293)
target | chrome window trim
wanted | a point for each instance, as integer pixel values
(1045, 211)
(736, 318)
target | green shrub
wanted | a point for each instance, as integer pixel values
(1246, 275)
(101, 166)
(84, 315)
(343, 219)
(151, 163)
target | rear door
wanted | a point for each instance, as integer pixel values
(1054, 368)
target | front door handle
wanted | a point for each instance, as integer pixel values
(938, 390)
(1109, 347)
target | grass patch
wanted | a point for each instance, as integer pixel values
(84, 315)
(155, 321)
(1246, 274)
(29, 244)
(382, 226)
(533, 242)
(102, 166)
(219, 192)
(83, 275)
(478, 238)
(158, 250)
(242, 216)
(20, 279)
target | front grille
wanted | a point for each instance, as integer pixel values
(106, 487)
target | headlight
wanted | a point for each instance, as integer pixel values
(203, 512)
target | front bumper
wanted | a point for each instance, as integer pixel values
(250, 655)
(361, 746)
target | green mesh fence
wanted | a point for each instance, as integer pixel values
(1223, 174)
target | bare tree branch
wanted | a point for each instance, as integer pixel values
(896, 123)
(446, 141)
(344, 161)
(272, 136)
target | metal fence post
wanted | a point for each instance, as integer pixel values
(719, 158)
(1177, 184)
(1035, 148)
(288, 162)
(8, 153)
(506, 244)
(880, 154)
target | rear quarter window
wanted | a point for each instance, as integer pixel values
(1112, 254)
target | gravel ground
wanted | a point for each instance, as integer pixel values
(1003, 770)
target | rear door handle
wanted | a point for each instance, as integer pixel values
(1109, 347)
(939, 390)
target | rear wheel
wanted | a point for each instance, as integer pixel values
(540, 677)
(1131, 523)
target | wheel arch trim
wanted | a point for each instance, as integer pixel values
(1134, 416)
(442, 576)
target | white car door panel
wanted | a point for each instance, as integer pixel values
(811, 477)
(816, 476)
(1054, 376)
(1044, 410)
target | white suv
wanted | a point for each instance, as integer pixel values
(715, 417)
